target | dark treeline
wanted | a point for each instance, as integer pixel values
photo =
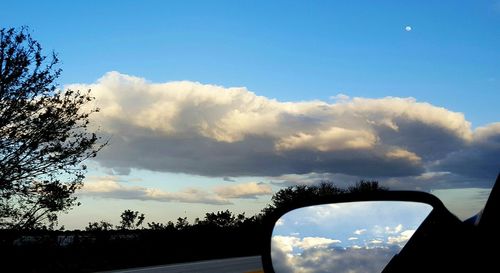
(131, 243)
(133, 220)
(101, 246)
(86, 251)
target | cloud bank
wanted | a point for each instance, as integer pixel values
(290, 254)
(194, 128)
(111, 187)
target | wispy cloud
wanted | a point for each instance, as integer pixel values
(291, 242)
(248, 190)
(359, 231)
(400, 238)
(112, 187)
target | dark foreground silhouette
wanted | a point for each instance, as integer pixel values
(83, 251)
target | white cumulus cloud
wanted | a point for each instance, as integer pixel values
(360, 231)
(203, 129)
(315, 242)
(332, 139)
(288, 243)
(401, 238)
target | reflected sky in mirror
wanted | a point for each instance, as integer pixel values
(344, 237)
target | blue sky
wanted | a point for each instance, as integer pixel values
(290, 51)
(282, 48)
(333, 221)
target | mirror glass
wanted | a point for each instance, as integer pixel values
(344, 237)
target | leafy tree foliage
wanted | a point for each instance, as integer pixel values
(44, 135)
(182, 223)
(302, 193)
(222, 219)
(99, 226)
(131, 219)
(366, 186)
(219, 219)
(160, 226)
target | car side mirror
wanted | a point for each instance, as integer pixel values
(374, 232)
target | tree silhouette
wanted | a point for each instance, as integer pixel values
(99, 226)
(221, 219)
(169, 227)
(366, 186)
(302, 193)
(131, 219)
(44, 135)
(182, 223)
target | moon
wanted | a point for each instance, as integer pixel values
(408, 28)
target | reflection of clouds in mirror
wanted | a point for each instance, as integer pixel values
(314, 242)
(396, 229)
(345, 237)
(300, 244)
(376, 241)
(359, 231)
(339, 260)
(401, 238)
(333, 213)
(284, 243)
(387, 230)
(326, 211)
(280, 222)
